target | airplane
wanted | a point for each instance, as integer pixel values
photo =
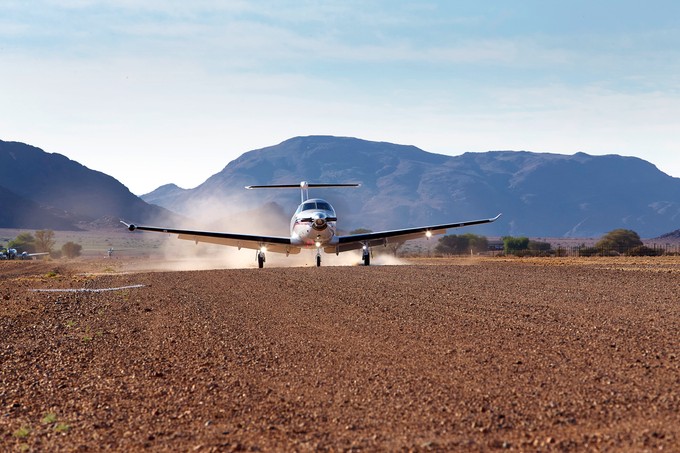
(11, 254)
(313, 226)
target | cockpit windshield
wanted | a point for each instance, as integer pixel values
(323, 205)
(316, 204)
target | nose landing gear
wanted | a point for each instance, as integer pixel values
(260, 259)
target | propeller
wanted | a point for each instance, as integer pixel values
(319, 222)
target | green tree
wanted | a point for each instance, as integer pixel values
(461, 244)
(512, 245)
(44, 240)
(620, 240)
(24, 242)
(71, 249)
(539, 246)
(478, 244)
(451, 245)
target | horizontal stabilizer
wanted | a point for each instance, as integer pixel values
(302, 185)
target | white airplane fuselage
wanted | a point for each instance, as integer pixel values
(313, 224)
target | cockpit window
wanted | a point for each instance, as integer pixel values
(315, 205)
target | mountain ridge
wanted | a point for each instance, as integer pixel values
(53, 183)
(540, 194)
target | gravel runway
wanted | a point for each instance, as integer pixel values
(440, 355)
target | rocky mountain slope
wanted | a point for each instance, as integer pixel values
(48, 190)
(539, 194)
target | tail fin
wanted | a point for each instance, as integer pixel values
(303, 186)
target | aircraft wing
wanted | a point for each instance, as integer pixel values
(273, 243)
(357, 241)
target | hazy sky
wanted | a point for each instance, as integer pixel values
(166, 91)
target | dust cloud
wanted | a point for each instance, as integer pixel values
(236, 215)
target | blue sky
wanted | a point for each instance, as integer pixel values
(170, 91)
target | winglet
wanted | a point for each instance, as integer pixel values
(130, 226)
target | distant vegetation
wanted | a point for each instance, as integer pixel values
(463, 244)
(71, 249)
(42, 241)
(616, 242)
(523, 246)
(620, 242)
(24, 242)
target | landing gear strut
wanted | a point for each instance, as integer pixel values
(260, 259)
(366, 256)
(318, 258)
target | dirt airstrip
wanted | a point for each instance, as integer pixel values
(457, 355)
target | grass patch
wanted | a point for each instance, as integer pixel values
(62, 428)
(22, 432)
(49, 418)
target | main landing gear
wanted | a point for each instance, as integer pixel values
(366, 256)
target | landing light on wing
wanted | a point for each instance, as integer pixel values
(428, 234)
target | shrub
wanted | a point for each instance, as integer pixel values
(71, 249)
(643, 250)
(620, 240)
(462, 244)
(513, 245)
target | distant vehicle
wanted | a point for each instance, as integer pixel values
(313, 226)
(12, 254)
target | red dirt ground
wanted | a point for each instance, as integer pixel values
(462, 355)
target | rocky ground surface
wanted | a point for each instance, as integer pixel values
(457, 355)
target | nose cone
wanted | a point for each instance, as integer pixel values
(320, 224)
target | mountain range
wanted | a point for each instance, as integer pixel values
(539, 194)
(48, 190)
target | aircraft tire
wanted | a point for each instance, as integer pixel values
(367, 259)
(318, 261)
(260, 260)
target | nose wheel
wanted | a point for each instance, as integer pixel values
(318, 258)
(260, 259)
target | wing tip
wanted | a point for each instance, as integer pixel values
(130, 226)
